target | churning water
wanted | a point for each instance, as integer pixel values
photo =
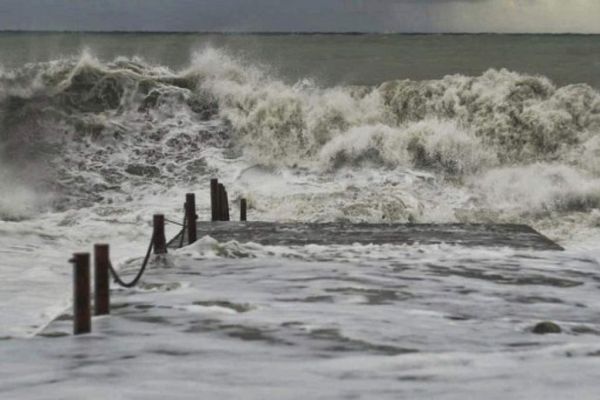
(311, 128)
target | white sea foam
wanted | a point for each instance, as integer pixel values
(353, 321)
(540, 188)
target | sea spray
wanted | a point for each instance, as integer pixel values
(430, 144)
(18, 201)
(539, 188)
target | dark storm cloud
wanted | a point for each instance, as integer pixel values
(301, 15)
(193, 14)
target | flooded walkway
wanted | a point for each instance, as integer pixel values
(230, 321)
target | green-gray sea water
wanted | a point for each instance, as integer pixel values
(336, 59)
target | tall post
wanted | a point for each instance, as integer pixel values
(101, 280)
(191, 217)
(223, 206)
(220, 202)
(214, 199)
(82, 318)
(226, 205)
(243, 209)
(159, 239)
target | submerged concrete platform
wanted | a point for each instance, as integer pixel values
(299, 234)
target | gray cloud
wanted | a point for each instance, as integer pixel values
(303, 15)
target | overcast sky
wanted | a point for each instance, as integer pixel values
(304, 15)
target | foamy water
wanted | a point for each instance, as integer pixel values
(91, 149)
(228, 320)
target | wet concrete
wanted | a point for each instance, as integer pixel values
(299, 234)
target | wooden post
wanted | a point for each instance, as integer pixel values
(214, 199)
(221, 206)
(82, 318)
(101, 280)
(243, 207)
(226, 203)
(219, 203)
(191, 217)
(160, 241)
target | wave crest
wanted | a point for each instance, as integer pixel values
(519, 118)
(105, 128)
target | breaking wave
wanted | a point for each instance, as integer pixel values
(101, 132)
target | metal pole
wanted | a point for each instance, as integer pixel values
(101, 280)
(160, 241)
(191, 217)
(82, 318)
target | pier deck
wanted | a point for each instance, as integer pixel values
(299, 234)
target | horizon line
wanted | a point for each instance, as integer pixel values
(291, 33)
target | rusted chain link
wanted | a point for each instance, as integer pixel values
(175, 223)
(134, 282)
(180, 234)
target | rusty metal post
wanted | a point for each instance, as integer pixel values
(243, 209)
(191, 217)
(160, 241)
(214, 199)
(82, 318)
(101, 280)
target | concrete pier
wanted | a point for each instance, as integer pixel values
(298, 234)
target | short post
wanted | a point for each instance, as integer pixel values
(158, 237)
(214, 199)
(101, 280)
(191, 217)
(243, 207)
(82, 318)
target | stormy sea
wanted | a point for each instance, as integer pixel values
(98, 132)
